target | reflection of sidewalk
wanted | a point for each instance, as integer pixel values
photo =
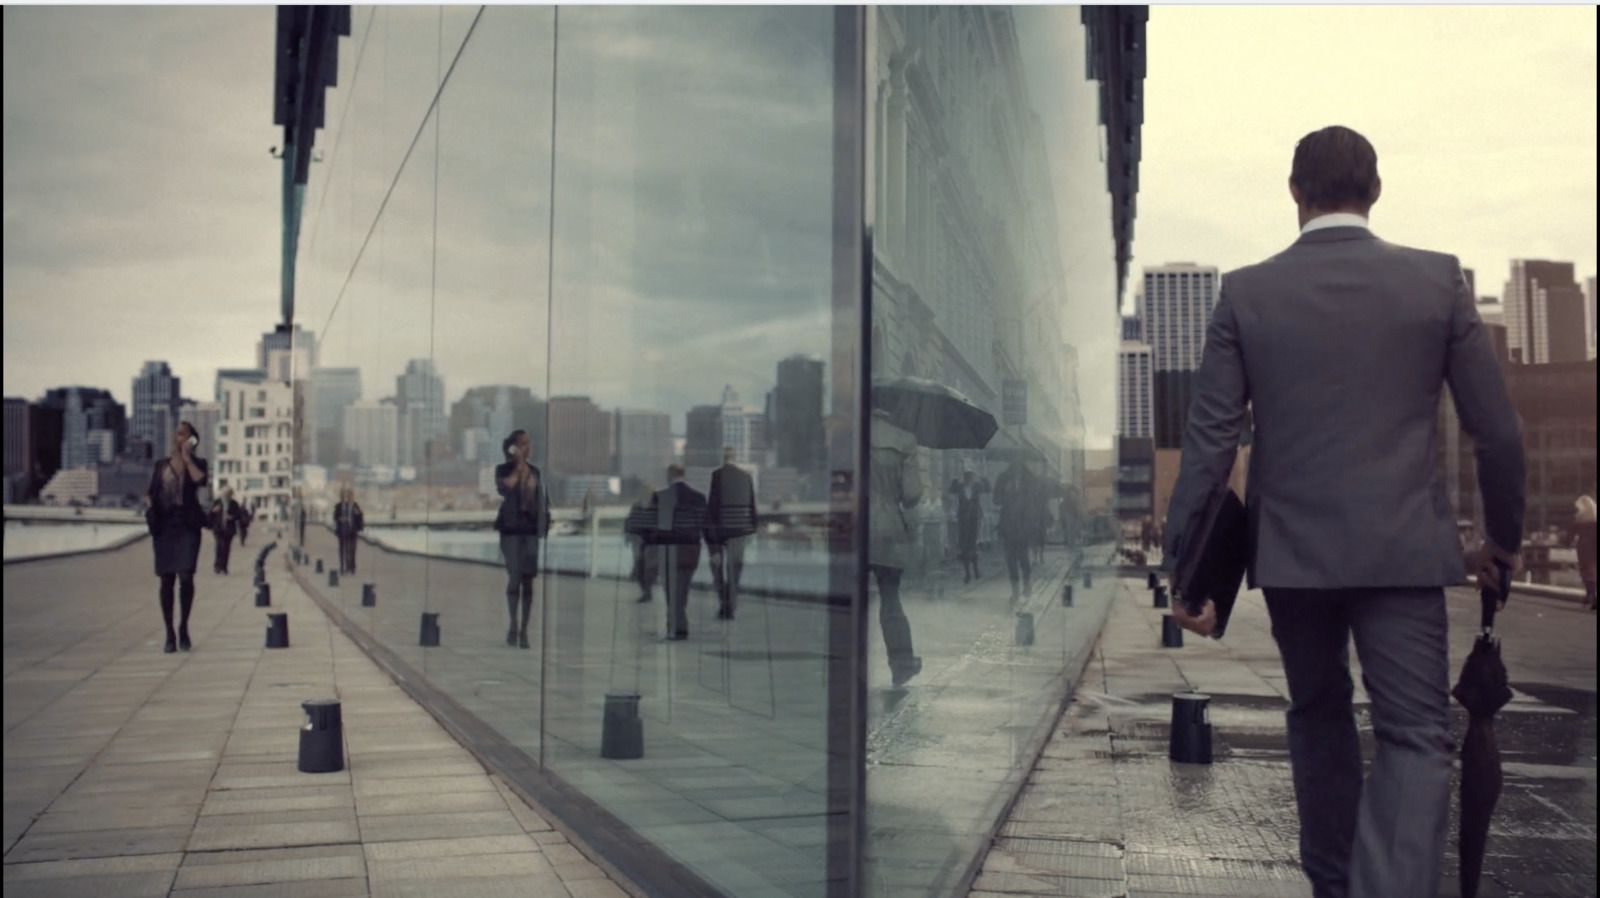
(1106, 814)
(130, 772)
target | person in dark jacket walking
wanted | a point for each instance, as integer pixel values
(681, 524)
(523, 520)
(348, 522)
(226, 519)
(1015, 492)
(732, 506)
(969, 517)
(646, 558)
(175, 517)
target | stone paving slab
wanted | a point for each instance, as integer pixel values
(129, 772)
(1105, 814)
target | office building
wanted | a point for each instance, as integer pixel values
(425, 425)
(101, 446)
(255, 445)
(19, 443)
(644, 445)
(1544, 312)
(477, 446)
(1589, 313)
(1178, 301)
(703, 437)
(155, 404)
(796, 415)
(1135, 391)
(331, 390)
(371, 432)
(286, 354)
(580, 436)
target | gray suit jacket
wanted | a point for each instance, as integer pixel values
(1341, 345)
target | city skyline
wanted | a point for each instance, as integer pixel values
(92, 256)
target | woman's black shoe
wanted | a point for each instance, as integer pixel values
(183, 639)
(511, 635)
(171, 646)
(522, 640)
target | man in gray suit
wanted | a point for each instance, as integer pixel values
(1340, 345)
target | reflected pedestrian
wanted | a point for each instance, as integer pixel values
(732, 507)
(348, 522)
(523, 519)
(1041, 522)
(176, 519)
(246, 518)
(893, 487)
(1583, 533)
(646, 558)
(1015, 492)
(1339, 347)
(681, 519)
(226, 517)
(969, 517)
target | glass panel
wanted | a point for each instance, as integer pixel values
(490, 344)
(690, 314)
(993, 276)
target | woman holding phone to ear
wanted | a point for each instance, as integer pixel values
(176, 519)
(522, 521)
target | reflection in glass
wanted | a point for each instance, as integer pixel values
(992, 272)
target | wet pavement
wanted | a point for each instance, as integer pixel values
(1106, 814)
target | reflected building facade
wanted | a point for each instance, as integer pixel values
(735, 219)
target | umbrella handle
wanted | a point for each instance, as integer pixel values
(1490, 597)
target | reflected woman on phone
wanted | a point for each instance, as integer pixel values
(175, 517)
(524, 518)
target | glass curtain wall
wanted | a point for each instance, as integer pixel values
(993, 276)
(624, 244)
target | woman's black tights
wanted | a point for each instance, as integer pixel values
(185, 584)
(524, 586)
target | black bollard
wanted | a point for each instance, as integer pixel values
(1171, 633)
(1190, 741)
(1066, 595)
(1153, 581)
(322, 738)
(621, 730)
(333, 578)
(278, 630)
(263, 595)
(369, 595)
(1088, 580)
(319, 565)
(430, 629)
(1024, 634)
(1160, 597)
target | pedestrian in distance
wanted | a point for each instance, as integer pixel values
(1340, 347)
(1583, 540)
(894, 487)
(681, 519)
(968, 490)
(1016, 492)
(226, 519)
(523, 519)
(348, 522)
(732, 507)
(175, 517)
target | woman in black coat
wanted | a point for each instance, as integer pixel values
(523, 519)
(175, 517)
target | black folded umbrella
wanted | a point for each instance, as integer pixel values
(1483, 689)
(938, 416)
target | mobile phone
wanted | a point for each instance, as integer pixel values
(193, 441)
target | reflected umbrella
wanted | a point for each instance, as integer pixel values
(938, 416)
(1482, 689)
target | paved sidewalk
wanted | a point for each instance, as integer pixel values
(1105, 813)
(129, 772)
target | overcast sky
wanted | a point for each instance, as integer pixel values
(142, 208)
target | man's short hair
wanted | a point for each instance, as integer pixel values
(1335, 168)
(674, 471)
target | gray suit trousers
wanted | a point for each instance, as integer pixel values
(1385, 837)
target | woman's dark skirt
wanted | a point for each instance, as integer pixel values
(521, 551)
(177, 549)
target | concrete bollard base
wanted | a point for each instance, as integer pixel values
(322, 738)
(621, 730)
(1024, 635)
(430, 629)
(1171, 633)
(1190, 738)
(278, 630)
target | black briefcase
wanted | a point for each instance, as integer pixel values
(1215, 554)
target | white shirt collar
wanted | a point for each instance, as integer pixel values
(1335, 220)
